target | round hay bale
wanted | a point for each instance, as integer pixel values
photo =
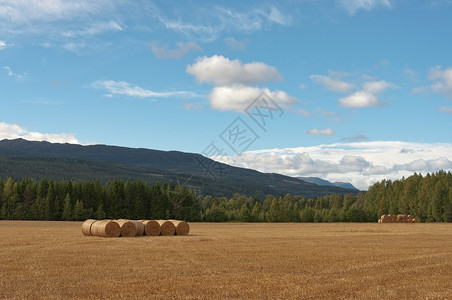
(140, 227)
(128, 228)
(151, 227)
(107, 228)
(182, 227)
(86, 227)
(93, 229)
(166, 227)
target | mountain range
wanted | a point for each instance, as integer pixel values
(20, 158)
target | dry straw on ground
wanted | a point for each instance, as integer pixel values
(128, 228)
(54, 260)
(166, 227)
(86, 226)
(151, 227)
(182, 227)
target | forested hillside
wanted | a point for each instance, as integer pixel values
(59, 162)
(428, 198)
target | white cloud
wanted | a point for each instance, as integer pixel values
(355, 138)
(13, 74)
(239, 97)
(445, 109)
(352, 6)
(2, 45)
(361, 163)
(126, 89)
(219, 70)
(333, 84)
(95, 29)
(441, 80)
(14, 131)
(182, 49)
(327, 132)
(207, 23)
(367, 96)
(235, 44)
(36, 11)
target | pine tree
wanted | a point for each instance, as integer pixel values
(79, 211)
(100, 213)
(67, 209)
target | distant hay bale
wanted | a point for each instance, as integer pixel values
(107, 228)
(128, 228)
(166, 227)
(140, 227)
(182, 227)
(151, 227)
(86, 227)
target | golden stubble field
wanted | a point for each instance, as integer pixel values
(53, 260)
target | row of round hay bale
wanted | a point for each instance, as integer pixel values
(131, 228)
(397, 219)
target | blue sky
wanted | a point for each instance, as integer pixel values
(358, 90)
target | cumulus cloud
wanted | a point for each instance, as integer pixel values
(14, 131)
(333, 84)
(352, 6)
(2, 45)
(220, 70)
(327, 132)
(126, 89)
(361, 163)
(239, 97)
(367, 96)
(233, 82)
(181, 50)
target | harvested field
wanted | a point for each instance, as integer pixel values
(54, 260)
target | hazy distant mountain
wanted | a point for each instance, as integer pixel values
(24, 159)
(323, 182)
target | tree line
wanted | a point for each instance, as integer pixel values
(428, 198)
